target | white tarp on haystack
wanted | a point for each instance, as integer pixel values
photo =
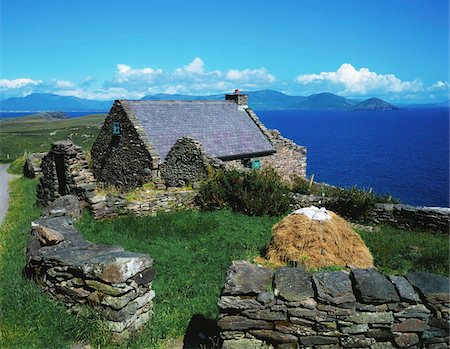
(314, 213)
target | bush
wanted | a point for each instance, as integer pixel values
(255, 192)
(352, 203)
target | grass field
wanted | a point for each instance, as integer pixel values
(192, 251)
(34, 134)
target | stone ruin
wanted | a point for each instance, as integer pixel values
(65, 171)
(117, 284)
(290, 308)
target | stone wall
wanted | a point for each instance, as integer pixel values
(32, 165)
(115, 283)
(185, 163)
(64, 171)
(126, 161)
(291, 308)
(436, 219)
(148, 203)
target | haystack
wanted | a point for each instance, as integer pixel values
(317, 239)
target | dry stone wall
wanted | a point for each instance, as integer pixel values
(115, 283)
(152, 202)
(436, 219)
(291, 308)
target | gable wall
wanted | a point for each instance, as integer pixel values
(288, 160)
(123, 161)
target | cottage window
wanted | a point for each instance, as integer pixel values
(116, 131)
(256, 164)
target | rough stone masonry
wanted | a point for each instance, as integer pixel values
(291, 308)
(114, 282)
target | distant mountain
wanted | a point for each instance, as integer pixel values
(372, 104)
(262, 100)
(327, 101)
(50, 102)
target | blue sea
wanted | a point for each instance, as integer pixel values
(403, 152)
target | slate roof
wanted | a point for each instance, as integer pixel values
(224, 131)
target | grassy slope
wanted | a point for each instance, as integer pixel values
(33, 134)
(192, 251)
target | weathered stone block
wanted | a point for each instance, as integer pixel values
(245, 343)
(293, 284)
(334, 287)
(234, 302)
(246, 278)
(371, 318)
(318, 340)
(265, 314)
(406, 340)
(238, 323)
(404, 288)
(374, 287)
(414, 311)
(435, 288)
(273, 336)
(410, 325)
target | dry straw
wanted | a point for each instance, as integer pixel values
(301, 241)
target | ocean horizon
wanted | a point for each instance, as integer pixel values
(403, 152)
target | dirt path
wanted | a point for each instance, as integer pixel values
(5, 177)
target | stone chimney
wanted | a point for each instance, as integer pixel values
(239, 98)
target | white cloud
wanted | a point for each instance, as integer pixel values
(18, 83)
(126, 74)
(250, 75)
(194, 78)
(362, 81)
(63, 84)
(196, 66)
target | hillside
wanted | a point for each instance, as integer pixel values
(52, 102)
(258, 100)
(35, 133)
(327, 101)
(373, 104)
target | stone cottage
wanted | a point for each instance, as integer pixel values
(146, 140)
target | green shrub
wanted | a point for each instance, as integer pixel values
(352, 203)
(255, 193)
(300, 185)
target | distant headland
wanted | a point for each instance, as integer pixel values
(260, 100)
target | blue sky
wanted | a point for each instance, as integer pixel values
(394, 49)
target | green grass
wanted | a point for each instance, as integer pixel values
(29, 319)
(192, 251)
(34, 134)
(397, 252)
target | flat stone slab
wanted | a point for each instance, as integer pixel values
(245, 278)
(334, 287)
(293, 284)
(374, 287)
(404, 288)
(433, 287)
